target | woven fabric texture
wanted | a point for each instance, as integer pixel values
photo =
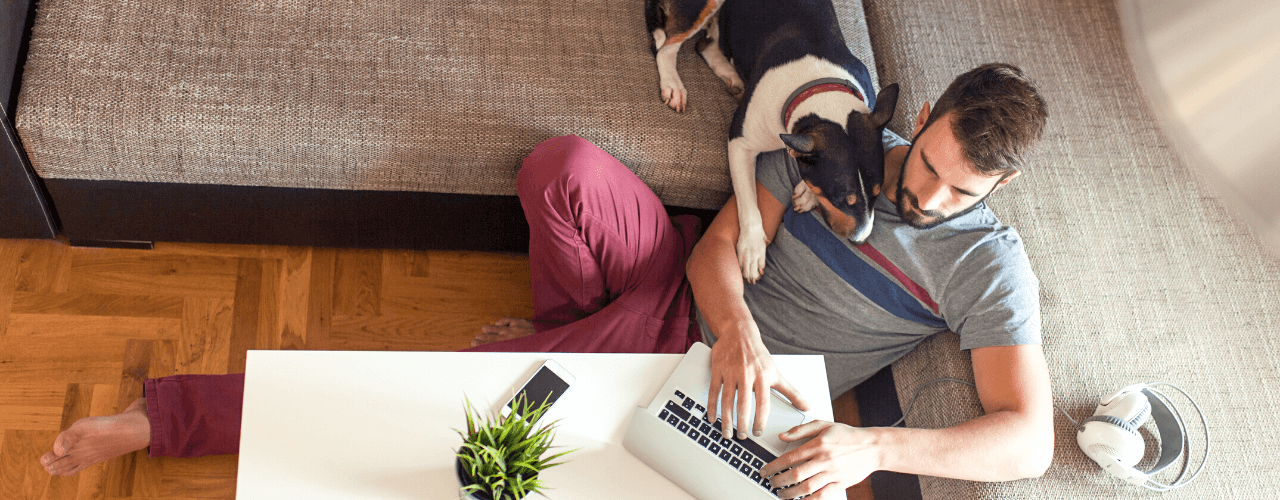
(439, 96)
(1145, 276)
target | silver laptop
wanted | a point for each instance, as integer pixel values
(673, 436)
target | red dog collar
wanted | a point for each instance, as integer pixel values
(814, 88)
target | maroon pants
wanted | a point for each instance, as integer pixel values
(607, 267)
(194, 415)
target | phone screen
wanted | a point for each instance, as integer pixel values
(544, 386)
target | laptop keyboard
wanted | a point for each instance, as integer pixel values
(745, 455)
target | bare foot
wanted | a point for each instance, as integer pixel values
(503, 329)
(96, 439)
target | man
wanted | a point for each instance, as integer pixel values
(937, 259)
(608, 275)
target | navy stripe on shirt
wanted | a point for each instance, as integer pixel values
(862, 276)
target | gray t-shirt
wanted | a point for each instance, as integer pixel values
(863, 307)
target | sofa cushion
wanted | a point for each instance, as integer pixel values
(439, 96)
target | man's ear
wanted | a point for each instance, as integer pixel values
(1006, 180)
(921, 119)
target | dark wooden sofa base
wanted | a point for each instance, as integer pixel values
(144, 211)
(24, 210)
(99, 212)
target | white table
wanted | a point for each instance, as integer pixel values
(362, 425)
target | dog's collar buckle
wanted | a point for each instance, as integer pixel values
(814, 88)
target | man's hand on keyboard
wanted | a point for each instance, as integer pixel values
(740, 367)
(838, 456)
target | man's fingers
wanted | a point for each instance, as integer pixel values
(784, 462)
(807, 486)
(743, 410)
(799, 480)
(495, 330)
(788, 460)
(713, 397)
(791, 393)
(832, 491)
(483, 338)
(805, 430)
(762, 409)
(726, 409)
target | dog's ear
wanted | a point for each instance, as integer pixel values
(802, 143)
(886, 103)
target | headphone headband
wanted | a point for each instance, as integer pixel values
(1172, 433)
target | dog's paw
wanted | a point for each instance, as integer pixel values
(751, 251)
(803, 199)
(735, 89)
(674, 96)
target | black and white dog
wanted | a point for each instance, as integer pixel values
(800, 88)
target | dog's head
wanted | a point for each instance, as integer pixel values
(844, 165)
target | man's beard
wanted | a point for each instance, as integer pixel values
(923, 219)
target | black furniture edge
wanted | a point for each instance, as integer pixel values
(16, 19)
(114, 213)
(107, 211)
(24, 208)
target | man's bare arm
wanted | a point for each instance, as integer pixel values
(740, 364)
(1013, 440)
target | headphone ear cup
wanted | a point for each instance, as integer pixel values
(1107, 439)
(1127, 390)
(1132, 407)
(1144, 412)
(1110, 437)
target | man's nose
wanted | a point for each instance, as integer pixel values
(932, 196)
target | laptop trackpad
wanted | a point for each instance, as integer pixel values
(782, 417)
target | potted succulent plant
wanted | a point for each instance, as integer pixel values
(501, 457)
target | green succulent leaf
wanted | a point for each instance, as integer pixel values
(504, 455)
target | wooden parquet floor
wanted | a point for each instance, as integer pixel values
(81, 327)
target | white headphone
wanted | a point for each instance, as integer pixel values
(1110, 437)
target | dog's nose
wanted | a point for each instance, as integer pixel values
(863, 231)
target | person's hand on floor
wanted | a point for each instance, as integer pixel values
(503, 329)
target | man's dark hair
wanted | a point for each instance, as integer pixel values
(999, 116)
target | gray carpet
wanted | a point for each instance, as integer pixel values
(1144, 274)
